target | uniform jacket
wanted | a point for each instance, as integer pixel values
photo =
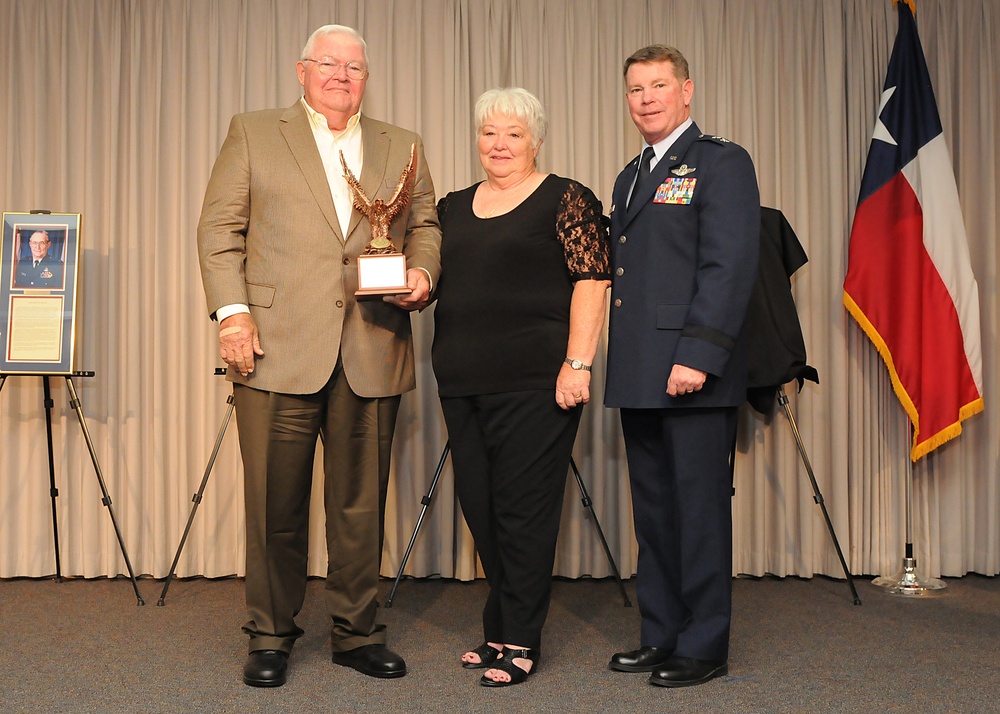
(684, 262)
(777, 350)
(47, 274)
(269, 237)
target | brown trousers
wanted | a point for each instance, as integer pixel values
(278, 441)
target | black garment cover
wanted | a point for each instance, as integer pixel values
(777, 351)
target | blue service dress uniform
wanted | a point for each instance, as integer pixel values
(684, 261)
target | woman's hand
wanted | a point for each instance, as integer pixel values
(572, 387)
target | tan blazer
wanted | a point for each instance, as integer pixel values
(269, 237)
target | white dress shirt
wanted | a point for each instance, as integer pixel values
(660, 148)
(330, 144)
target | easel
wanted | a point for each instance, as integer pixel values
(53, 491)
(585, 498)
(779, 356)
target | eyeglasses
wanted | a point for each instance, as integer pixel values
(36, 243)
(329, 68)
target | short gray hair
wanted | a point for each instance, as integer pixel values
(512, 102)
(326, 31)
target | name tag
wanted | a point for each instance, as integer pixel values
(676, 190)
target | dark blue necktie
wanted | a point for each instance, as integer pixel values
(642, 173)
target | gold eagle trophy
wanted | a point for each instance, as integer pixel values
(381, 268)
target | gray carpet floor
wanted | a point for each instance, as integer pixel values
(797, 646)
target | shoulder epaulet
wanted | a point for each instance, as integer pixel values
(717, 139)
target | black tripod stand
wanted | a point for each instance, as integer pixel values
(53, 491)
(585, 499)
(817, 496)
(777, 350)
(196, 499)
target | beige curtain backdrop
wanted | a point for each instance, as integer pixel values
(116, 109)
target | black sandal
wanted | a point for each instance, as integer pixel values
(488, 654)
(506, 664)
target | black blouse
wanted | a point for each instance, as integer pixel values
(503, 299)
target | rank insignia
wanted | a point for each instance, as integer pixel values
(676, 190)
(683, 170)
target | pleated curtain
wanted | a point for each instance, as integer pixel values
(116, 109)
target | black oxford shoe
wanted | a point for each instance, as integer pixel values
(644, 659)
(266, 668)
(686, 672)
(373, 660)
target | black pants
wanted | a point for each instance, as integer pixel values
(511, 456)
(678, 461)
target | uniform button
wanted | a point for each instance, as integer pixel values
(622, 239)
(340, 303)
(618, 302)
(346, 261)
(620, 271)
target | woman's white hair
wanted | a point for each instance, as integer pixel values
(327, 30)
(512, 102)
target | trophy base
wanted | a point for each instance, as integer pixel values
(381, 274)
(372, 293)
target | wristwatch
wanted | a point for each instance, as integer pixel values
(577, 364)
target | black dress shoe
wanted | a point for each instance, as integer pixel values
(644, 659)
(686, 672)
(266, 668)
(373, 660)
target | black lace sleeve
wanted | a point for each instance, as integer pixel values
(581, 229)
(442, 207)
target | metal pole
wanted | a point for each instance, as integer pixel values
(908, 580)
(106, 500)
(198, 496)
(817, 496)
(53, 491)
(426, 501)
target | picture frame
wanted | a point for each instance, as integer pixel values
(39, 276)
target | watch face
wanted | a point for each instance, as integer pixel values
(577, 364)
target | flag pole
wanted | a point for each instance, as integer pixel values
(908, 580)
(908, 215)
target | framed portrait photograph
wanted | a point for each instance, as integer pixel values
(39, 261)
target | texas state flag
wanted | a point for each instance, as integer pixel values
(909, 279)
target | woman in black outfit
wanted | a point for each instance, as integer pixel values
(521, 305)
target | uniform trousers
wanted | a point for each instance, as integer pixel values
(681, 481)
(511, 455)
(278, 435)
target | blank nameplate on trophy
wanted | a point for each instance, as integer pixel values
(382, 274)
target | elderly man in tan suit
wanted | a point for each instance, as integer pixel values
(278, 242)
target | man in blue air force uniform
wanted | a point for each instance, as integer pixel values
(41, 270)
(685, 227)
